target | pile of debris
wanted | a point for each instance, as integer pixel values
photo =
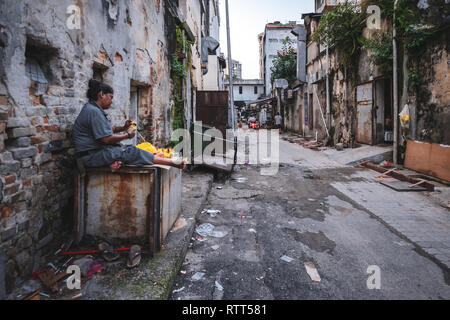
(313, 145)
(406, 182)
(68, 274)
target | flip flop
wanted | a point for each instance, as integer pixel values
(134, 258)
(108, 252)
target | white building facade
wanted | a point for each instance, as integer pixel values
(274, 35)
(246, 91)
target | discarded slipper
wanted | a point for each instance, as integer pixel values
(134, 258)
(108, 252)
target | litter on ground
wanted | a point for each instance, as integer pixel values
(212, 213)
(178, 290)
(198, 276)
(312, 272)
(219, 286)
(287, 259)
(207, 230)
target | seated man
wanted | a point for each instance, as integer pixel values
(97, 142)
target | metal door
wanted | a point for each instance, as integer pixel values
(364, 114)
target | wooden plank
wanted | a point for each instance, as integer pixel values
(397, 175)
(401, 186)
(428, 158)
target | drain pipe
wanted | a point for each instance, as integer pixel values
(395, 89)
(328, 89)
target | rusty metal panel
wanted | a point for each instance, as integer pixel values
(117, 204)
(212, 109)
(364, 117)
(170, 199)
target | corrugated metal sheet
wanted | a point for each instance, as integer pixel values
(364, 118)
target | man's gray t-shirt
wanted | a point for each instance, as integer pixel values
(91, 126)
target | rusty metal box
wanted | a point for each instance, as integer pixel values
(132, 204)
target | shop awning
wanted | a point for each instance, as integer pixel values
(261, 101)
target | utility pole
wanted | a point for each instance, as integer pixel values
(230, 70)
(328, 90)
(395, 85)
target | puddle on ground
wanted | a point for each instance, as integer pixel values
(315, 241)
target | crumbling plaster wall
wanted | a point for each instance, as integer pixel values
(36, 151)
(433, 112)
(191, 11)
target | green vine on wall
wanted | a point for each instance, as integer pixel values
(178, 74)
(342, 28)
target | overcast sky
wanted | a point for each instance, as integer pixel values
(248, 19)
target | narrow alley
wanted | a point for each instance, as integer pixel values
(319, 211)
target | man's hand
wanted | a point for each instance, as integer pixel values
(127, 125)
(131, 134)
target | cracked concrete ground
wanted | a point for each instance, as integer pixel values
(313, 210)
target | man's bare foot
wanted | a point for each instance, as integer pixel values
(115, 166)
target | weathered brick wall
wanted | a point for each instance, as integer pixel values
(126, 43)
(433, 99)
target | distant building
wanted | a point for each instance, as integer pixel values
(274, 35)
(236, 70)
(246, 90)
(261, 55)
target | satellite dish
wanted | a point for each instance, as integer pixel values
(281, 84)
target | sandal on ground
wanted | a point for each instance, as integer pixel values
(134, 258)
(108, 252)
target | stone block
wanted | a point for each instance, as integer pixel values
(70, 93)
(51, 101)
(6, 157)
(26, 163)
(7, 212)
(10, 190)
(43, 158)
(10, 179)
(22, 153)
(22, 142)
(56, 91)
(37, 121)
(20, 132)
(9, 167)
(38, 139)
(37, 111)
(18, 122)
(27, 173)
